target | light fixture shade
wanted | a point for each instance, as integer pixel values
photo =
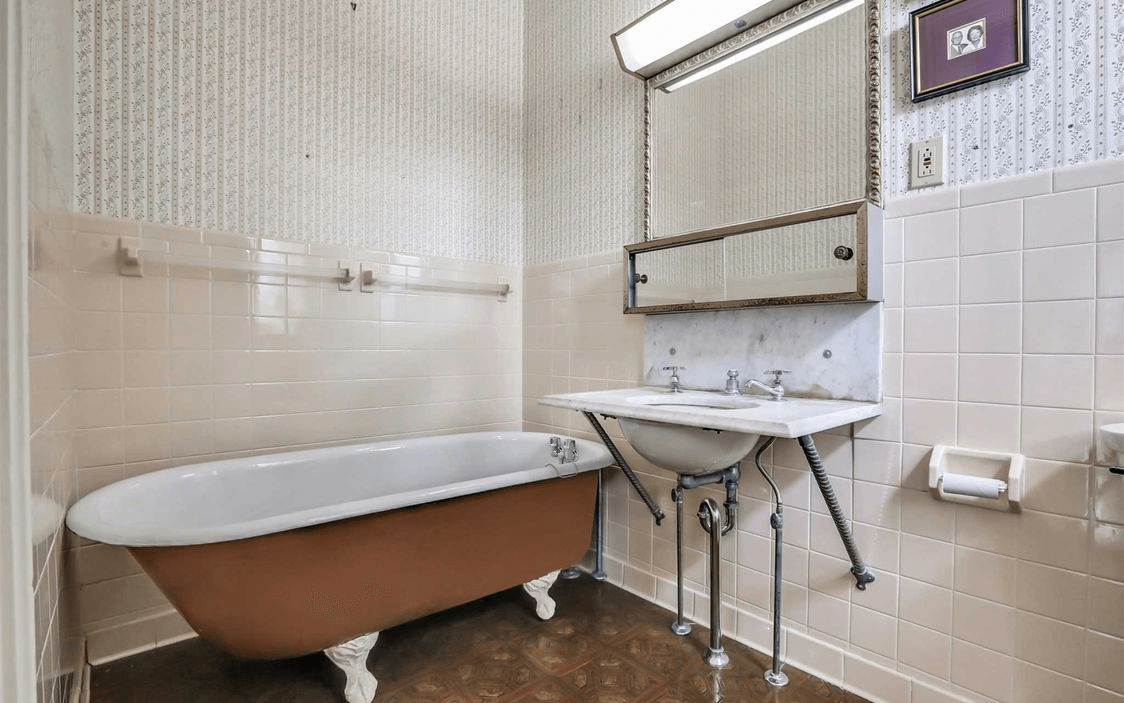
(678, 29)
(826, 14)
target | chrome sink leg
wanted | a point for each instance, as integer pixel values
(712, 522)
(774, 676)
(680, 626)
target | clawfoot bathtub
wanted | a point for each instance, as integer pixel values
(282, 555)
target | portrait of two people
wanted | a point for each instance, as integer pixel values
(967, 38)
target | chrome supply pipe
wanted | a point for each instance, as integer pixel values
(862, 574)
(712, 522)
(680, 626)
(775, 677)
(733, 476)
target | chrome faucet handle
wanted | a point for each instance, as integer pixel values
(567, 449)
(776, 374)
(775, 389)
(674, 380)
(732, 385)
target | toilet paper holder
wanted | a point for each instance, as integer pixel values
(992, 480)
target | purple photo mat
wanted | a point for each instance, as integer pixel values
(932, 31)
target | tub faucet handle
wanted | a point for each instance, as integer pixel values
(565, 448)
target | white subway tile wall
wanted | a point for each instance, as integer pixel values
(53, 478)
(197, 363)
(1001, 349)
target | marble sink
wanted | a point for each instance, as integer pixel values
(700, 431)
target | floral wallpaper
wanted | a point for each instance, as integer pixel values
(1068, 109)
(584, 121)
(390, 125)
(496, 130)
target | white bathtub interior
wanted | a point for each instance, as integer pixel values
(241, 498)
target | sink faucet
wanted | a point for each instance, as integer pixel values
(775, 389)
(674, 385)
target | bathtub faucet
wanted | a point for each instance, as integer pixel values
(566, 449)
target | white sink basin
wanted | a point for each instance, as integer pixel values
(701, 431)
(686, 450)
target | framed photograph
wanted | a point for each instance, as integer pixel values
(960, 43)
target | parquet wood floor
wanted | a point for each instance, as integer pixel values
(604, 645)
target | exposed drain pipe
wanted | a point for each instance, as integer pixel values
(730, 475)
(711, 522)
(711, 519)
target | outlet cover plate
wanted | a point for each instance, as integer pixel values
(926, 162)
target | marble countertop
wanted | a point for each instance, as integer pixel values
(756, 414)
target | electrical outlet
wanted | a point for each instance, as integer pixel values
(926, 167)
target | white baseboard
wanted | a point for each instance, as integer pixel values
(124, 639)
(849, 670)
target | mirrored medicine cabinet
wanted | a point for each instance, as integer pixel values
(762, 168)
(831, 254)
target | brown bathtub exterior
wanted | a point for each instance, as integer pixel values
(296, 592)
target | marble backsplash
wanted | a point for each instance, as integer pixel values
(832, 350)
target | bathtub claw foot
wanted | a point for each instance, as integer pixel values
(537, 588)
(352, 658)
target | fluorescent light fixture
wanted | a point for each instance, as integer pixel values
(765, 43)
(672, 26)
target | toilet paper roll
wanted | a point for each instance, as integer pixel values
(962, 485)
